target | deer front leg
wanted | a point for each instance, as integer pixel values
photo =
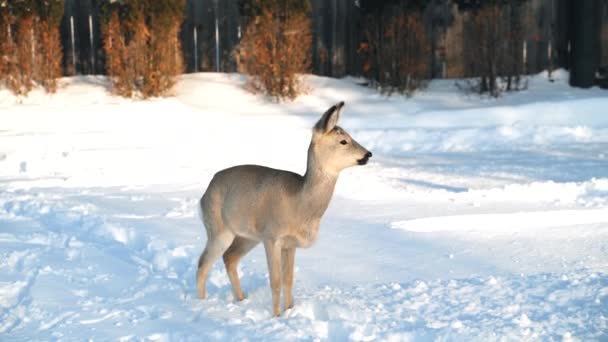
(288, 257)
(273, 257)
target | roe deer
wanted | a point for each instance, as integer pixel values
(247, 204)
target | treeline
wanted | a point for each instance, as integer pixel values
(399, 44)
(140, 40)
(142, 49)
(143, 54)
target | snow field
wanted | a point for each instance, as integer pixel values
(78, 273)
(477, 219)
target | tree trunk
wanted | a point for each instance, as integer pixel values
(584, 42)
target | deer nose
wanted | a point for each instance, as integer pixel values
(368, 155)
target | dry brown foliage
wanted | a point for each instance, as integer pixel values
(165, 61)
(396, 53)
(494, 51)
(5, 45)
(23, 75)
(124, 58)
(144, 57)
(30, 53)
(48, 55)
(274, 50)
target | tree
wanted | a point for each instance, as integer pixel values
(584, 42)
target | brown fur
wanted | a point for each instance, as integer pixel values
(248, 204)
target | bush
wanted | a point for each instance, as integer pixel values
(48, 44)
(494, 52)
(143, 53)
(118, 59)
(5, 42)
(276, 47)
(396, 50)
(7, 49)
(30, 47)
(165, 59)
(24, 56)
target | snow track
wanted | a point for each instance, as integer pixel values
(86, 267)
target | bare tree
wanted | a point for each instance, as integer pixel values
(396, 50)
(493, 52)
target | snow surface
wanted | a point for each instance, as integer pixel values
(477, 219)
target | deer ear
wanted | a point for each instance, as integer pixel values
(329, 119)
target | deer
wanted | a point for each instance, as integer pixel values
(248, 204)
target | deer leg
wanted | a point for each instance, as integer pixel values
(273, 257)
(216, 245)
(288, 258)
(239, 247)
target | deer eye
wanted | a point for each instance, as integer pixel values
(343, 142)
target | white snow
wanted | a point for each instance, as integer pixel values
(511, 222)
(477, 218)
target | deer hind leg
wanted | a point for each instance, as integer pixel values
(239, 247)
(288, 258)
(216, 246)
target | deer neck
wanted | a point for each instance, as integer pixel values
(317, 189)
